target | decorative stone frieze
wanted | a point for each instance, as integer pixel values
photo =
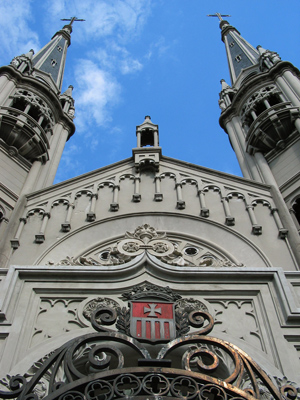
(146, 240)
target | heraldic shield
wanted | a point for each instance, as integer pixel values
(152, 321)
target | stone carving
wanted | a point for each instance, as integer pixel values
(148, 290)
(211, 261)
(191, 304)
(131, 247)
(238, 318)
(13, 151)
(15, 62)
(75, 261)
(260, 95)
(71, 112)
(113, 258)
(145, 233)
(62, 312)
(24, 59)
(99, 302)
(36, 101)
(105, 311)
(145, 239)
(183, 308)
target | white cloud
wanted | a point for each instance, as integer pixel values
(159, 47)
(16, 36)
(124, 17)
(129, 66)
(97, 91)
(115, 57)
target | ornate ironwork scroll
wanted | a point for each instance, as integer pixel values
(110, 365)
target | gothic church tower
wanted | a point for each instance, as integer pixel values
(260, 113)
(36, 120)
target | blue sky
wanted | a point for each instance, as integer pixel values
(162, 58)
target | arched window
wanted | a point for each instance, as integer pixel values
(296, 209)
(2, 214)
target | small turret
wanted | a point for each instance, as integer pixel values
(147, 153)
(226, 95)
(68, 102)
(23, 63)
(267, 58)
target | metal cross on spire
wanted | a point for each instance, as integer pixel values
(72, 19)
(219, 16)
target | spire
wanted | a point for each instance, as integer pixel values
(49, 62)
(240, 54)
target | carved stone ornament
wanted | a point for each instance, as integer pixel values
(145, 239)
(24, 58)
(191, 304)
(147, 290)
(155, 313)
(36, 101)
(111, 365)
(99, 302)
(16, 62)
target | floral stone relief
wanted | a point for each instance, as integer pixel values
(146, 239)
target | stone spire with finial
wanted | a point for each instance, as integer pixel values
(240, 53)
(49, 62)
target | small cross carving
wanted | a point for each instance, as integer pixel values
(152, 310)
(219, 16)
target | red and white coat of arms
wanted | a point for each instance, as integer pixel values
(153, 321)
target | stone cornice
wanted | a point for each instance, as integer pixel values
(216, 173)
(82, 179)
(9, 193)
(289, 182)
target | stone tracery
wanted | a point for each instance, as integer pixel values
(145, 239)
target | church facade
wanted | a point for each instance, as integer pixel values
(151, 277)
